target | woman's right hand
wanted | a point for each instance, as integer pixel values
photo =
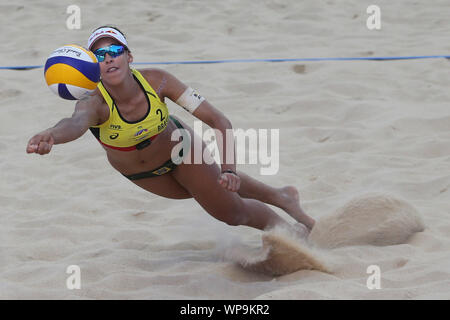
(41, 143)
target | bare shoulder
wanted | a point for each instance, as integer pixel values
(154, 74)
(90, 102)
(94, 105)
(164, 83)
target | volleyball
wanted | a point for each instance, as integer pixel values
(72, 72)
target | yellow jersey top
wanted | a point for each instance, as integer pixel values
(120, 134)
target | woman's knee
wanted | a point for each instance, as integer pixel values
(237, 219)
(233, 219)
(234, 215)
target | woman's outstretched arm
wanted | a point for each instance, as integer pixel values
(86, 114)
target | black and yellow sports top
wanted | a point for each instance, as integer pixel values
(120, 134)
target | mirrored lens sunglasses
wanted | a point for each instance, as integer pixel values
(113, 50)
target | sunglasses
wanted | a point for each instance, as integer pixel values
(113, 50)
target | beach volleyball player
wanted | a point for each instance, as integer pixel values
(128, 116)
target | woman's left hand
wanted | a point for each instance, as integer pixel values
(230, 181)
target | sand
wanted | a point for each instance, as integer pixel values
(347, 129)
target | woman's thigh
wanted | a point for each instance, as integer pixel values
(201, 180)
(167, 185)
(164, 186)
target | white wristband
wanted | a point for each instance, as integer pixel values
(190, 100)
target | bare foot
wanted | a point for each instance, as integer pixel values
(289, 201)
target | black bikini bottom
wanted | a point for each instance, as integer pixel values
(168, 166)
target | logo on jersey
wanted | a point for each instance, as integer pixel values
(115, 127)
(137, 134)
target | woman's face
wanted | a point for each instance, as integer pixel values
(113, 70)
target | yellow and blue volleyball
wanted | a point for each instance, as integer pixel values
(72, 72)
